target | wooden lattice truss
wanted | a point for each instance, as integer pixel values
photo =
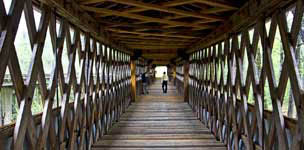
(220, 84)
(159, 24)
(101, 87)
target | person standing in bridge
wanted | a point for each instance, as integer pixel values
(144, 83)
(165, 82)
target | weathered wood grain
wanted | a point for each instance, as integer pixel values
(151, 124)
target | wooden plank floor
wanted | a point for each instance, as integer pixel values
(159, 121)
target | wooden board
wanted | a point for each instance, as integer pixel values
(154, 124)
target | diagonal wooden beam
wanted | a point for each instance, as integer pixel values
(149, 28)
(159, 55)
(161, 62)
(156, 43)
(171, 4)
(85, 2)
(176, 3)
(165, 4)
(139, 17)
(198, 23)
(240, 19)
(152, 34)
(214, 10)
(216, 3)
(151, 47)
(132, 37)
(166, 9)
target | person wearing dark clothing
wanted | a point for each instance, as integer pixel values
(165, 82)
(144, 82)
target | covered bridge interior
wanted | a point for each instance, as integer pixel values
(71, 74)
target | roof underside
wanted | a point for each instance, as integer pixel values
(160, 26)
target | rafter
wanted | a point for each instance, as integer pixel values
(132, 37)
(155, 43)
(216, 3)
(152, 34)
(154, 47)
(91, 1)
(205, 21)
(197, 23)
(166, 9)
(215, 10)
(161, 62)
(167, 50)
(176, 3)
(158, 55)
(139, 17)
(159, 29)
(165, 4)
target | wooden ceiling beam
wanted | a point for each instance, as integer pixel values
(158, 55)
(139, 17)
(156, 44)
(197, 23)
(214, 10)
(155, 51)
(177, 17)
(109, 24)
(176, 3)
(152, 41)
(123, 37)
(166, 9)
(248, 15)
(216, 3)
(152, 34)
(160, 29)
(87, 2)
(74, 14)
(165, 4)
(144, 41)
(136, 36)
(161, 62)
(171, 4)
(134, 46)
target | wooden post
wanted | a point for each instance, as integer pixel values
(174, 75)
(186, 81)
(133, 80)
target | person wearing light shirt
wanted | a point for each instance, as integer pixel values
(165, 82)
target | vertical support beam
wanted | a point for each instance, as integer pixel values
(186, 81)
(174, 75)
(133, 80)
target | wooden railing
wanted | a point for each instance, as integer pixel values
(102, 91)
(238, 90)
